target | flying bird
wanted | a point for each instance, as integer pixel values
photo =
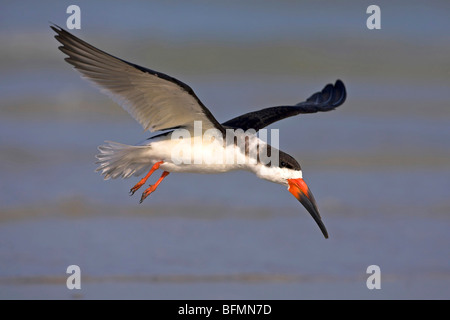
(160, 102)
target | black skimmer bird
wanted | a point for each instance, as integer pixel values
(162, 103)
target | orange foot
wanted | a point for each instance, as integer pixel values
(152, 188)
(144, 179)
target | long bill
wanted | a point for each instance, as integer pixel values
(301, 191)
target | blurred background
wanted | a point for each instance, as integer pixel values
(379, 166)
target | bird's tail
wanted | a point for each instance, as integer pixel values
(120, 160)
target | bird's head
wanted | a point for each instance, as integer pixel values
(289, 173)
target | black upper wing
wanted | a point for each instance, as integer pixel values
(331, 97)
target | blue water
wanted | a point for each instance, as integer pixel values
(378, 165)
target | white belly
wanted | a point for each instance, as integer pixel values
(196, 156)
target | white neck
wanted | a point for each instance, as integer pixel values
(275, 174)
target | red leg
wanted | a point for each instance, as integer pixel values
(144, 179)
(153, 187)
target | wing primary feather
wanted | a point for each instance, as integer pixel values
(156, 100)
(331, 97)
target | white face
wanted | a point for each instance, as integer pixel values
(277, 175)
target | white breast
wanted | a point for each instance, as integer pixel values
(206, 154)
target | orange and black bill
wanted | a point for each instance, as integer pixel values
(301, 191)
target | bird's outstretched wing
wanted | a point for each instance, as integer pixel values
(331, 97)
(156, 100)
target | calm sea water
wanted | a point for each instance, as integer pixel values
(378, 166)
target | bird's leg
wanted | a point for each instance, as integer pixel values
(144, 179)
(153, 187)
